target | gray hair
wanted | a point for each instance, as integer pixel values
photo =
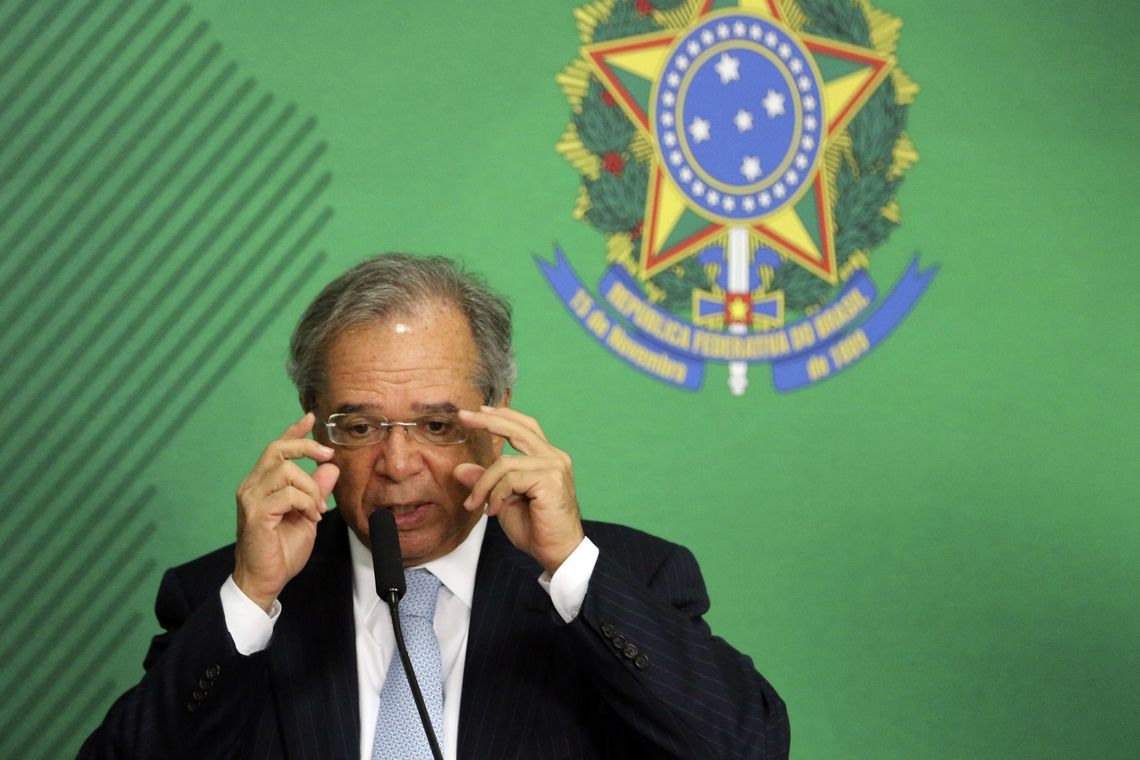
(394, 284)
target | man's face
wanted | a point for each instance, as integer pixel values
(402, 368)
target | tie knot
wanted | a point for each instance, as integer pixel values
(419, 600)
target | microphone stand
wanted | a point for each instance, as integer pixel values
(388, 564)
(394, 605)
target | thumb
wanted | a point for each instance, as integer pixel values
(325, 475)
(468, 473)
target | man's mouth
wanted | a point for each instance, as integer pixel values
(408, 515)
(400, 509)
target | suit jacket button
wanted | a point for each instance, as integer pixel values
(192, 706)
(205, 683)
(608, 630)
(641, 662)
(213, 671)
(619, 641)
(198, 695)
(630, 651)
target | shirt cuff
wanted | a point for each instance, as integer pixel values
(567, 587)
(249, 626)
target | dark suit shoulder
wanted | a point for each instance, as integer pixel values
(631, 547)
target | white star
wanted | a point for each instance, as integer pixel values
(773, 103)
(670, 139)
(673, 79)
(700, 130)
(668, 98)
(738, 29)
(804, 82)
(785, 51)
(728, 68)
(713, 197)
(722, 30)
(686, 174)
(808, 142)
(792, 177)
(667, 118)
(698, 188)
(750, 168)
(755, 32)
(681, 62)
(765, 200)
(729, 203)
(801, 161)
(770, 39)
(743, 120)
(796, 65)
(693, 47)
(778, 190)
(748, 203)
(809, 103)
(707, 37)
(810, 123)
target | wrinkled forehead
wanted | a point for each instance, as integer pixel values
(429, 351)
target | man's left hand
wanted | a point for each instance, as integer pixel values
(533, 494)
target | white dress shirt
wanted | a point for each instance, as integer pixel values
(251, 629)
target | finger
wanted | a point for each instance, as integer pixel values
(280, 504)
(468, 473)
(325, 476)
(284, 449)
(526, 439)
(263, 483)
(528, 422)
(498, 470)
(511, 490)
(301, 427)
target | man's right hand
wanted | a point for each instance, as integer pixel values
(278, 508)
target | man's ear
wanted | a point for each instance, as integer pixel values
(498, 442)
(310, 405)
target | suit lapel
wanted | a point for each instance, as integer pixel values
(508, 609)
(314, 653)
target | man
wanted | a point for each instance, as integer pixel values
(556, 637)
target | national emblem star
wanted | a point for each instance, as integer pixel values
(743, 120)
(700, 129)
(773, 103)
(728, 68)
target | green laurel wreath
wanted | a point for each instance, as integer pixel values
(865, 183)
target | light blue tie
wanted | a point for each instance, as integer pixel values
(399, 733)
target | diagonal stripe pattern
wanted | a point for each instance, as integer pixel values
(158, 212)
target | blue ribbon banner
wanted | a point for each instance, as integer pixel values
(674, 351)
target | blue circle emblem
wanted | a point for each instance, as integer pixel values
(738, 117)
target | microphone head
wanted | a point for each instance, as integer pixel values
(387, 561)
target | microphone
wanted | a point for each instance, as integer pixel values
(387, 561)
(388, 564)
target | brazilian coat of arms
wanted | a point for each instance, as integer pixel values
(742, 160)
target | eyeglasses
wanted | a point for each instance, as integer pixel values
(354, 429)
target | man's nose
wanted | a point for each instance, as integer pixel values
(400, 456)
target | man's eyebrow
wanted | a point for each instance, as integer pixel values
(431, 407)
(439, 407)
(354, 408)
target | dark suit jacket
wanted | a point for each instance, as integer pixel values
(636, 674)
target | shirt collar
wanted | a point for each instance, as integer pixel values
(455, 570)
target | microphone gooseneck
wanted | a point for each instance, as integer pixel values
(388, 564)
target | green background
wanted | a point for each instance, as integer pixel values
(929, 555)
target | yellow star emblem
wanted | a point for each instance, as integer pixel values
(785, 203)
